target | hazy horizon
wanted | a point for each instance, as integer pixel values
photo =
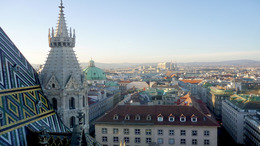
(137, 31)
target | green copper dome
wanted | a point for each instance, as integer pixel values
(94, 73)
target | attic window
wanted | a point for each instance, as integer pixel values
(160, 118)
(148, 117)
(171, 118)
(127, 117)
(182, 118)
(115, 117)
(193, 118)
(137, 117)
(53, 85)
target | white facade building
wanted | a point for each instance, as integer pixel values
(162, 125)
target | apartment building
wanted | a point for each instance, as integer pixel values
(233, 112)
(160, 124)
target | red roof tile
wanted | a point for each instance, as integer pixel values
(191, 81)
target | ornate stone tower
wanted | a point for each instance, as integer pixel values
(62, 78)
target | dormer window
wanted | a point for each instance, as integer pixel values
(115, 117)
(193, 118)
(148, 117)
(182, 118)
(127, 117)
(160, 118)
(137, 117)
(171, 118)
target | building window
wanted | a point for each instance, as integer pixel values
(72, 121)
(160, 140)
(171, 119)
(182, 118)
(126, 139)
(194, 132)
(137, 140)
(54, 103)
(53, 85)
(148, 132)
(160, 118)
(160, 132)
(206, 141)
(115, 130)
(137, 117)
(104, 130)
(171, 141)
(83, 101)
(72, 103)
(194, 142)
(206, 133)
(183, 141)
(183, 132)
(171, 132)
(148, 117)
(137, 131)
(148, 140)
(104, 139)
(126, 131)
(115, 139)
(193, 118)
(115, 117)
(127, 117)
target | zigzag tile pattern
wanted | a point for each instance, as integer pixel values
(22, 102)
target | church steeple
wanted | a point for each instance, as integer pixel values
(61, 38)
(61, 29)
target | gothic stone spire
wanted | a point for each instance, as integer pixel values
(61, 37)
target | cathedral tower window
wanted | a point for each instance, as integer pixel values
(83, 101)
(54, 103)
(72, 103)
(72, 121)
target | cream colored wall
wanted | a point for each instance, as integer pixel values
(200, 131)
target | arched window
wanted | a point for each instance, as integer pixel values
(72, 121)
(115, 117)
(54, 103)
(127, 117)
(83, 101)
(137, 117)
(182, 118)
(149, 117)
(72, 103)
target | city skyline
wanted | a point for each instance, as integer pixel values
(139, 31)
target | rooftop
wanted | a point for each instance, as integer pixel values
(154, 111)
(191, 81)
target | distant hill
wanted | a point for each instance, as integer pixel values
(244, 62)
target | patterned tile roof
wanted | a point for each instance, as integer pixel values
(22, 102)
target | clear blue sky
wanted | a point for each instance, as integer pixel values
(139, 30)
